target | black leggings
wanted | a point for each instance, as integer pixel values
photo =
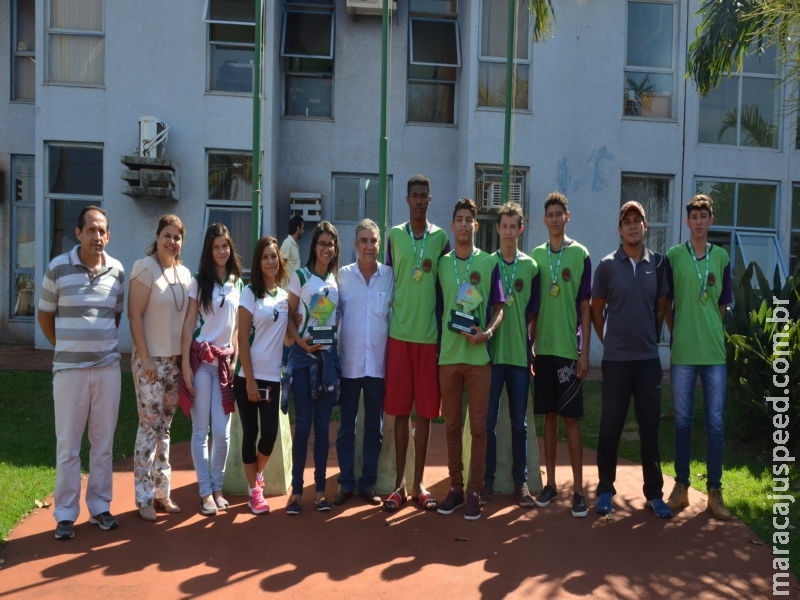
(251, 413)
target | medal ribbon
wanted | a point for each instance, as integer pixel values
(418, 258)
(703, 280)
(509, 283)
(459, 281)
(554, 273)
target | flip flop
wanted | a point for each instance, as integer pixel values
(394, 501)
(427, 501)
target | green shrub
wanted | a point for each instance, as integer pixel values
(752, 349)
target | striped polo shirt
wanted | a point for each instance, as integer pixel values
(86, 308)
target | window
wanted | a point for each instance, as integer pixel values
(492, 60)
(74, 179)
(76, 42)
(743, 110)
(23, 40)
(356, 197)
(489, 197)
(231, 42)
(653, 192)
(650, 59)
(230, 198)
(23, 237)
(745, 221)
(794, 252)
(434, 55)
(307, 46)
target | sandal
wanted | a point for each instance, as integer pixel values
(394, 501)
(426, 501)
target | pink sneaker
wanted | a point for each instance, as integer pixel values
(260, 480)
(257, 502)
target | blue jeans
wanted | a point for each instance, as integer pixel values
(517, 381)
(308, 411)
(350, 391)
(714, 379)
(208, 415)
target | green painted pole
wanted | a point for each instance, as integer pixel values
(256, 168)
(512, 17)
(383, 204)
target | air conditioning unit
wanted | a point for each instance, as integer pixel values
(152, 137)
(368, 7)
(493, 194)
(306, 204)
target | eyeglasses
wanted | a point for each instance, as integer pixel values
(326, 245)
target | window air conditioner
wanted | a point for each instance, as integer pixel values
(152, 137)
(493, 194)
(368, 7)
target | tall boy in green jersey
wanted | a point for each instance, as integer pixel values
(511, 352)
(561, 333)
(412, 376)
(699, 277)
(472, 299)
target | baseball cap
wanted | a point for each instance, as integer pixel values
(632, 205)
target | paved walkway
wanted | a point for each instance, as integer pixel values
(357, 551)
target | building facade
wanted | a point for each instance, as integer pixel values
(602, 112)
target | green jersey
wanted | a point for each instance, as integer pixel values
(698, 287)
(469, 286)
(510, 344)
(414, 262)
(565, 281)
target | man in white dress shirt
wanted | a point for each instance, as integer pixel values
(366, 288)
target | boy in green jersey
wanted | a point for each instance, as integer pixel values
(561, 333)
(699, 278)
(511, 352)
(472, 308)
(412, 372)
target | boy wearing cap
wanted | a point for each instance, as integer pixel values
(628, 303)
(699, 277)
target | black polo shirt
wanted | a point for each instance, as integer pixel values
(630, 292)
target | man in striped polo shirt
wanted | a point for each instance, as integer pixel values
(79, 312)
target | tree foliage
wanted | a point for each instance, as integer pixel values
(544, 18)
(729, 29)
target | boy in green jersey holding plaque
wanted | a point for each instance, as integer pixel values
(472, 305)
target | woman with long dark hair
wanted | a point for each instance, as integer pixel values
(208, 351)
(262, 321)
(313, 296)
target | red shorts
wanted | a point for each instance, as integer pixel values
(412, 379)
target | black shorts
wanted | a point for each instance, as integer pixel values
(556, 387)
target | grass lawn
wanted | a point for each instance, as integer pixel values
(27, 452)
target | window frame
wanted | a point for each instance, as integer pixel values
(244, 247)
(23, 54)
(486, 176)
(520, 64)
(370, 179)
(214, 44)
(794, 229)
(25, 276)
(68, 200)
(52, 32)
(731, 231)
(664, 225)
(634, 106)
(297, 66)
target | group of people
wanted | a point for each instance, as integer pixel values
(415, 336)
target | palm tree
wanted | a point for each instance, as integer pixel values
(756, 129)
(544, 18)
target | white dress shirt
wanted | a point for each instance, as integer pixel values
(364, 310)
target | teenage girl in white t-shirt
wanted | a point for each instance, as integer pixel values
(262, 321)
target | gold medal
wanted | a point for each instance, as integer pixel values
(510, 300)
(416, 274)
(703, 297)
(554, 289)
